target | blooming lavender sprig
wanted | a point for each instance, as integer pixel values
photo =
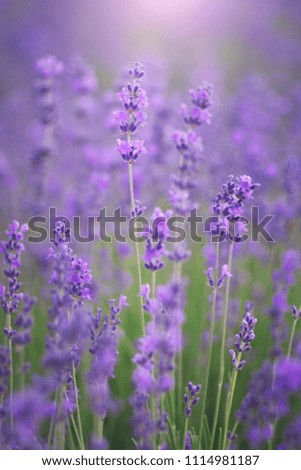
(229, 207)
(221, 280)
(24, 322)
(243, 339)
(48, 70)
(189, 145)
(104, 337)
(71, 279)
(156, 236)
(155, 361)
(134, 101)
(12, 249)
(191, 398)
(296, 312)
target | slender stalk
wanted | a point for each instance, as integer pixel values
(177, 274)
(50, 434)
(289, 350)
(154, 283)
(11, 374)
(233, 432)
(230, 400)
(137, 250)
(22, 373)
(222, 351)
(185, 432)
(77, 407)
(76, 431)
(212, 323)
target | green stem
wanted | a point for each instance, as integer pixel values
(11, 374)
(154, 284)
(233, 432)
(185, 432)
(230, 400)
(222, 351)
(212, 323)
(77, 407)
(177, 274)
(137, 250)
(289, 350)
(52, 422)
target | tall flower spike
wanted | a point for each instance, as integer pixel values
(243, 339)
(48, 70)
(134, 102)
(191, 398)
(228, 207)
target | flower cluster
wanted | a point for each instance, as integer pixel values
(221, 280)
(12, 249)
(191, 398)
(156, 236)
(296, 312)
(189, 145)
(228, 207)
(104, 350)
(24, 322)
(200, 111)
(134, 101)
(243, 339)
(155, 361)
(48, 69)
(71, 279)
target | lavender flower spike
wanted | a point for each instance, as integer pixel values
(191, 398)
(243, 339)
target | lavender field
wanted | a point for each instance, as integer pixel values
(150, 171)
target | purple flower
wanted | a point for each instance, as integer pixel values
(104, 337)
(220, 282)
(12, 249)
(191, 398)
(229, 207)
(296, 312)
(130, 151)
(24, 322)
(155, 360)
(243, 339)
(189, 146)
(156, 236)
(134, 101)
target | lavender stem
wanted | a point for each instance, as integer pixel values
(132, 195)
(222, 351)
(289, 350)
(230, 400)
(213, 310)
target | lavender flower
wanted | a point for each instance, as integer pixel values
(24, 322)
(132, 116)
(155, 361)
(48, 69)
(243, 339)
(221, 280)
(191, 398)
(296, 312)
(12, 249)
(104, 349)
(189, 146)
(228, 207)
(156, 236)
